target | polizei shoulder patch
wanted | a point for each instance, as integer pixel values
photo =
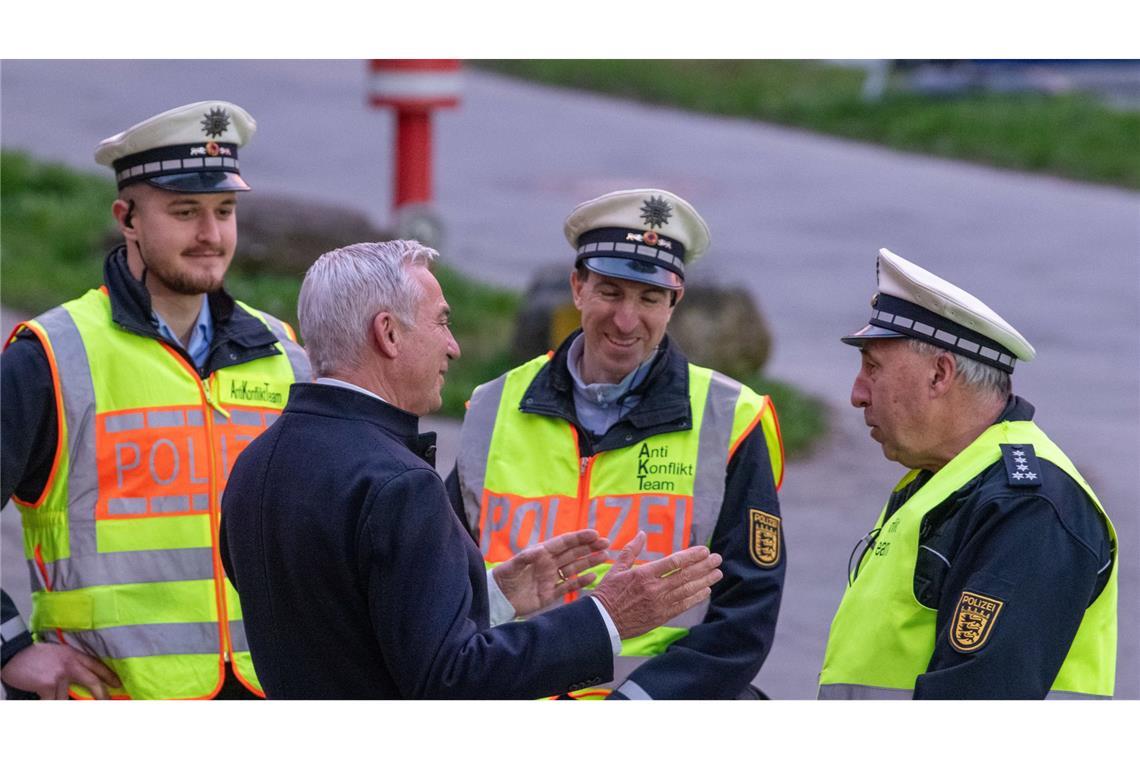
(974, 620)
(1021, 466)
(764, 542)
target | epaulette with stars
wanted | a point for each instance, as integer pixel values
(1021, 465)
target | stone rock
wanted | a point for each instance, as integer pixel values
(721, 327)
(284, 235)
(715, 325)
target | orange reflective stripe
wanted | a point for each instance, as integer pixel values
(151, 462)
(511, 523)
(60, 414)
(766, 408)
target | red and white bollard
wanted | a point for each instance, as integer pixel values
(414, 88)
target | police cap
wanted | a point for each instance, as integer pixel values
(189, 149)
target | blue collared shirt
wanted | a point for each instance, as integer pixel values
(200, 337)
(601, 405)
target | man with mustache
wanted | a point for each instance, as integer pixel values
(123, 411)
(991, 571)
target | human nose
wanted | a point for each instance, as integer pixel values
(209, 229)
(452, 347)
(626, 316)
(860, 392)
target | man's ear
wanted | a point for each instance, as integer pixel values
(124, 212)
(386, 334)
(943, 369)
(576, 285)
(676, 296)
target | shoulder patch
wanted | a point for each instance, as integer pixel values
(974, 620)
(1021, 466)
(764, 538)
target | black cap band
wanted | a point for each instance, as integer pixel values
(917, 322)
(194, 158)
(640, 245)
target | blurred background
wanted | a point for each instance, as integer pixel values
(1016, 179)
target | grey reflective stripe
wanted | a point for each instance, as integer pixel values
(35, 576)
(152, 639)
(153, 566)
(623, 666)
(855, 691)
(132, 506)
(169, 504)
(237, 637)
(695, 615)
(1074, 695)
(244, 417)
(632, 691)
(163, 418)
(78, 393)
(475, 445)
(712, 455)
(302, 371)
(118, 423)
(194, 418)
(10, 629)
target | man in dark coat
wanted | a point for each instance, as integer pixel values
(355, 576)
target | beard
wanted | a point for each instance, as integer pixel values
(183, 282)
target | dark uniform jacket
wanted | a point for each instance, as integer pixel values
(1045, 551)
(357, 580)
(719, 657)
(27, 398)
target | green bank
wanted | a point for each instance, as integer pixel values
(1071, 136)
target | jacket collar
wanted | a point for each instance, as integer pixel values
(1016, 409)
(347, 404)
(131, 309)
(664, 392)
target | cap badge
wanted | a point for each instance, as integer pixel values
(656, 211)
(215, 122)
(649, 237)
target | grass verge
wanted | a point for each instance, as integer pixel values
(1066, 135)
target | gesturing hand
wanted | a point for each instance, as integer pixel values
(539, 575)
(639, 599)
(50, 669)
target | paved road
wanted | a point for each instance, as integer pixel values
(796, 218)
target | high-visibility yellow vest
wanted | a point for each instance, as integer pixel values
(122, 543)
(525, 480)
(882, 637)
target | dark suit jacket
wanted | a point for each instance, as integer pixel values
(357, 580)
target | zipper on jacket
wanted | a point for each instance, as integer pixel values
(208, 403)
(585, 466)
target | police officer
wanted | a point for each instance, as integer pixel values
(617, 431)
(991, 571)
(123, 411)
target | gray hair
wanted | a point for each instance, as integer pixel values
(344, 289)
(973, 374)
